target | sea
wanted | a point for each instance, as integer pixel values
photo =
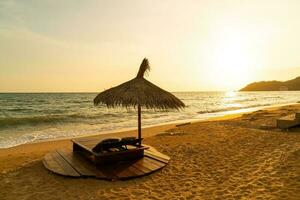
(31, 117)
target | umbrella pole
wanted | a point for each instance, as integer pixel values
(139, 125)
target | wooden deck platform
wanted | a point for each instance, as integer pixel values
(68, 163)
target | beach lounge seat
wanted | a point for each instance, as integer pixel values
(289, 121)
(130, 141)
(109, 150)
(107, 144)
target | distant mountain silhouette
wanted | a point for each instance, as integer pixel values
(291, 85)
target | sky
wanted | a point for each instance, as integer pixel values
(192, 45)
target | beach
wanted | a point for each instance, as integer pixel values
(235, 157)
(149, 100)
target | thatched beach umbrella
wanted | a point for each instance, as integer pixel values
(139, 92)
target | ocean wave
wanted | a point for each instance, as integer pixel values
(230, 108)
(92, 118)
(31, 117)
(15, 121)
(18, 109)
(52, 119)
(244, 100)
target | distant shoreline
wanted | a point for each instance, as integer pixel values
(290, 85)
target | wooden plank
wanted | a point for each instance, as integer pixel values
(122, 172)
(59, 165)
(50, 164)
(66, 167)
(108, 172)
(138, 172)
(147, 162)
(154, 153)
(82, 166)
(153, 156)
(158, 154)
(157, 163)
(144, 168)
(129, 171)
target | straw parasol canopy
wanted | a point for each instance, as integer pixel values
(139, 92)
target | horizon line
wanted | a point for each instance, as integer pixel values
(41, 92)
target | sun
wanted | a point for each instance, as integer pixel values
(231, 62)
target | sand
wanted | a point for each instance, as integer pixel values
(238, 158)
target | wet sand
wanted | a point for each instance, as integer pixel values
(238, 158)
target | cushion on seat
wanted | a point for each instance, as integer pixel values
(106, 144)
(130, 141)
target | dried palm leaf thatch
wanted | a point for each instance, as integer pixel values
(139, 91)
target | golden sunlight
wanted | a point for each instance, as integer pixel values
(150, 99)
(231, 61)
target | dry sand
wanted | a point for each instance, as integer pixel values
(241, 158)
